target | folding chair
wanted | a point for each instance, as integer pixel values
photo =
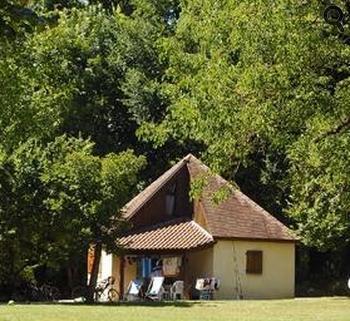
(155, 288)
(133, 290)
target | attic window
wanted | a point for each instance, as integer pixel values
(254, 262)
(170, 201)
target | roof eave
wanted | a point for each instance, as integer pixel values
(146, 252)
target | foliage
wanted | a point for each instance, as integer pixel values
(86, 73)
(262, 91)
(58, 198)
(258, 84)
(16, 18)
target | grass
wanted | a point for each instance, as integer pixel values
(320, 309)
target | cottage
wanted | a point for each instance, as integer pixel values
(234, 240)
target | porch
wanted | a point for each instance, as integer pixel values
(180, 250)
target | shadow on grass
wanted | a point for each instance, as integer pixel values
(150, 304)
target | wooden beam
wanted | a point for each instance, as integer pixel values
(121, 276)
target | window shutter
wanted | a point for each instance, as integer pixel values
(254, 262)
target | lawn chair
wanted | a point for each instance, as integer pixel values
(177, 290)
(133, 290)
(206, 287)
(155, 289)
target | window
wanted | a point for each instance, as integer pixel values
(170, 201)
(144, 267)
(254, 262)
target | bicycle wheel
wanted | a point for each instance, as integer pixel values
(113, 295)
(50, 293)
(45, 292)
(36, 295)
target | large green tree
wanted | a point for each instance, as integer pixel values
(265, 88)
(87, 71)
(91, 72)
(57, 199)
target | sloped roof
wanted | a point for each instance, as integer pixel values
(237, 216)
(179, 234)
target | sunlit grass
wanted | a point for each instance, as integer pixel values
(322, 309)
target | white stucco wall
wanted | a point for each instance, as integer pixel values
(105, 269)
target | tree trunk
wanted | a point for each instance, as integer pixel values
(94, 272)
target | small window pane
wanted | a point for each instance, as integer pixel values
(170, 200)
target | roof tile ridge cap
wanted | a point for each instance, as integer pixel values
(202, 229)
(263, 211)
(189, 156)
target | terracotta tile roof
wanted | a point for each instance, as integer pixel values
(139, 200)
(237, 216)
(179, 234)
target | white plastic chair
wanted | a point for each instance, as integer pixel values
(177, 290)
(155, 288)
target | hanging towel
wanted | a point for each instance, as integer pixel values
(171, 266)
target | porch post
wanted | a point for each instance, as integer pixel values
(121, 276)
(185, 276)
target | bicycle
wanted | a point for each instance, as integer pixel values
(106, 292)
(28, 292)
(50, 293)
(103, 292)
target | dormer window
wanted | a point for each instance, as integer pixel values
(170, 200)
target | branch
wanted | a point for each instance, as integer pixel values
(334, 131)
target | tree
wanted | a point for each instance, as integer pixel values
(249, 81)
(16, 18)
(320, 185)
(57, 199)
(92, 70)
(95, 190)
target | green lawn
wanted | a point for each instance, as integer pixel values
(323, 309)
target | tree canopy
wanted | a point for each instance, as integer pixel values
(90, 90)
(58, 198)
(265, 89)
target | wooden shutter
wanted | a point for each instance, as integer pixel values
(254, 262)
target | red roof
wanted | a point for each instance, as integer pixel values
(236, 217)
(177, 234)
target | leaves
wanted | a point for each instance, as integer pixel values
(258, 85)
(62, 198)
